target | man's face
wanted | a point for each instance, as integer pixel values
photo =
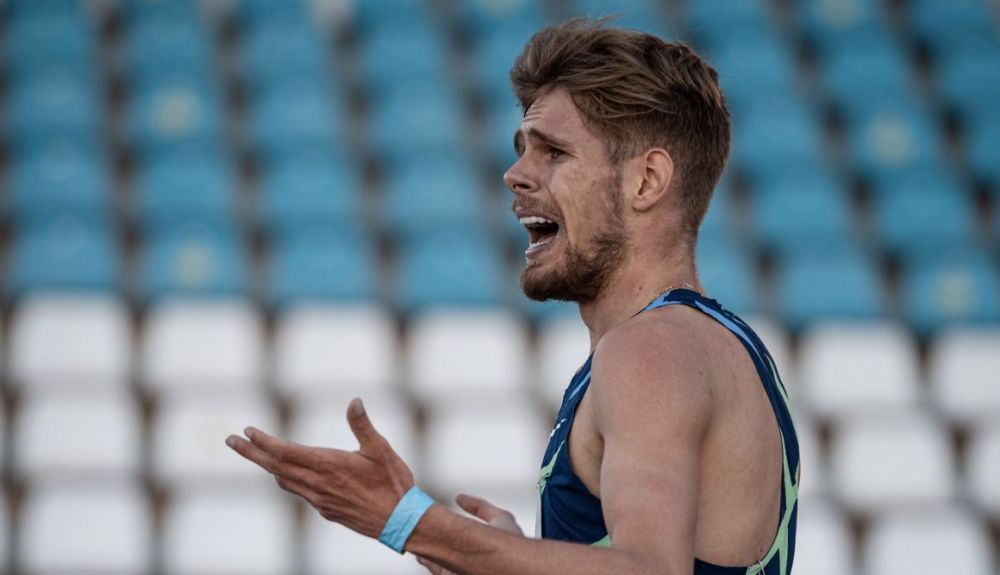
(569, 198)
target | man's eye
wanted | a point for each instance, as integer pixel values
(555, 153)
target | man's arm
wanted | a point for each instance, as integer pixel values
(651, 407)
(650, 402)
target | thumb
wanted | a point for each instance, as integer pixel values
(370, 441)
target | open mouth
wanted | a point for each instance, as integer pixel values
(540, 229)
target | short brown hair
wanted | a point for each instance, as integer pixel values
(637, 92)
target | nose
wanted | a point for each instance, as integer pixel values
(517, 179)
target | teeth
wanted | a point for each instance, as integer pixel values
(539, 242)
(534, 220)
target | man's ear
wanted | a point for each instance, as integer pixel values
(657, 172)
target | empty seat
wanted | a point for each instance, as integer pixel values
(485, 16)
(106, 528)
(397, 52)
(433, 193)
(322, 264)
(488, 445)
(944, 23)
(773, 135)
(893, 136)
(78, 436)
(333, 548)
(188, 440)
(229, 532)
(176, 109)
(728, 273)
(63, 175)
(967, 75)
(890, 460)
(193, 346)
(309, 188)
(323, 350)
(963, 364)
(323, 423)
(282, 50)
(823, 540)
(37, 40)
(155, 45)
(71, 341)
(642, 15)
(186, 183)
(449, 268)
(295, 115)
(717, 19)
(54, 100)
(814, 286)
(928, 542)
(851, 367)
(194, 258)
(946, 289)
(983, 467)
(419, 118)
(453, 355)
(563, 345)
(870, 68)
(832, 23)
(752, 64)
(802, 210)
(982, 147)
(67, 253)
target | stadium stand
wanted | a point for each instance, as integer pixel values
(216, 213)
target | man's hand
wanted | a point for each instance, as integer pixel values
(358, 489)
(484, 510)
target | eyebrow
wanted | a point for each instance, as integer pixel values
(539, 135)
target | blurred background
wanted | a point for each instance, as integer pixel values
(224, 213)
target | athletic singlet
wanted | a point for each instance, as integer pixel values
(569, 512)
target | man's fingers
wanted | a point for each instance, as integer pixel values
(271, 463)
(434, 568)
(371, 442)
(488, 512)
(283, 450)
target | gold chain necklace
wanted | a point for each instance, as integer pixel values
(683, 285)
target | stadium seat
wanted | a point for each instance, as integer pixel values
(982, 149)
(495, 53)
(855, 73)
(642, 15)
(962, 368)
(823, 540)
(753, 64)
(726, 271)
(323, 422)
(258, 13)
(437, 192)
(488, 16)
(802, 211)
(68, 253)
(839, 22)
(842, 284)
(192, 346)
(188, 440)
(949, 289)
(773, 135)
(712, 20)
(193, 258)
(81, 436)
(890, 460)
(318, 264)
(158, 45)
(174, 109)
(399, 52)
(71, 341)
(563, 345)
(892, 137)
(186, 184)
(498, 444)
(324, 350)
(924, 212)
(983, 467)
(419, 118)
(308, 188)
(465, 355)
(56, 100)
(106, 528)
(943, 23)
(847, 368)
(332, 548)
(283, 50)
(38, 40)
(172, 11)
(967, 75)
(289, 117)
(59, 176)
(928, 542)
(448, 268)
(229, 532)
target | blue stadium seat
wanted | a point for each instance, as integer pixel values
(776, 134)
(753, 65)
(712, 20)
(321, 264)
(968, 74)
(154, 46)
(496, 51)
(951, 288)
(924, 212)
(803, 210)
(425, 118)
(432, 193)
(66, 253)
(57, 101)
(309, 189)
(982, 148)
(193, 258)
(943, 22)
(402, 53)
(642, 15)
(61, 176)
(46, 9)
(176, 109)
(892, 137)
(296, 115)
(490, 16)
(277, 52)
(839, 22)
(187, 183)
(254, 12)
(866, 69)
(449, 269)
(839, 285)
(727, 272)
(187, 11)
(369, 15)
(719, 224)
(504, 117)
(40, 41)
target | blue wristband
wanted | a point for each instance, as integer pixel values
(404, 518)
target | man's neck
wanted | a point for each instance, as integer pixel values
(639, 281)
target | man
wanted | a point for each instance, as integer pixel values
(674, 450)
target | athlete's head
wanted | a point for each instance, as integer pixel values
(623, 139)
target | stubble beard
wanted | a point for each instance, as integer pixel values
(584, 271)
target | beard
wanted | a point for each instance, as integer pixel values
(584, 271)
